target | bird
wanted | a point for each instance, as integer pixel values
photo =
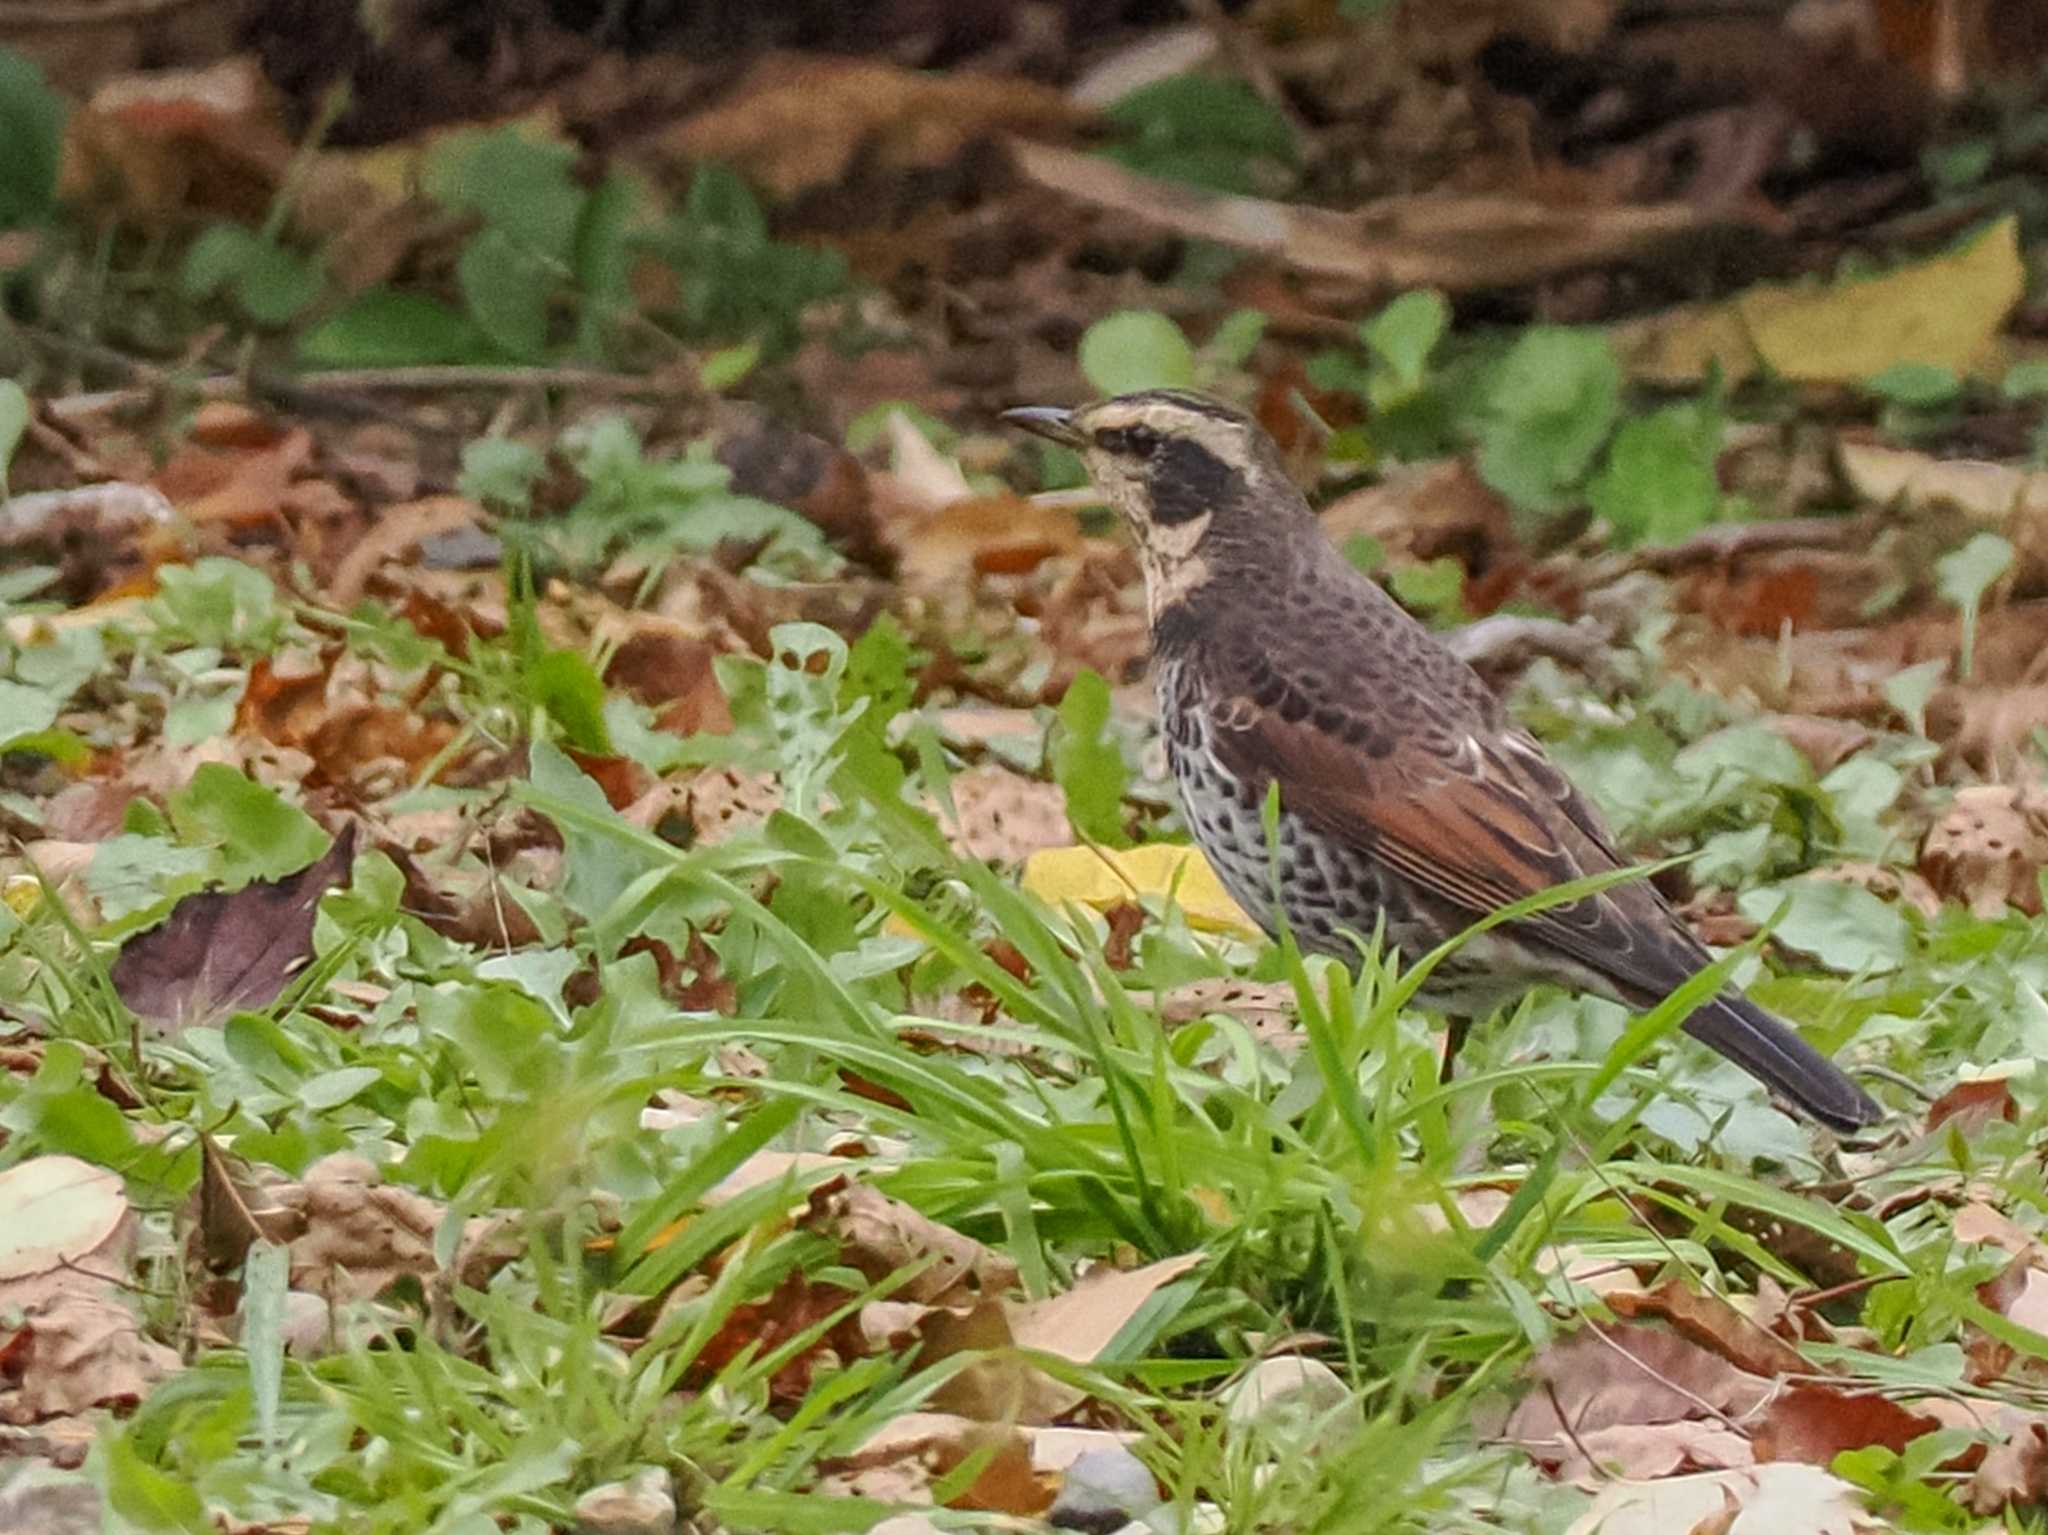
(1408, 795)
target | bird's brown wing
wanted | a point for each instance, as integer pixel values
(1473, 821)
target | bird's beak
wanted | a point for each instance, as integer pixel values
(1047, 421)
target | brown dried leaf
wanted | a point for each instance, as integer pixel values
(397, 531)
(1989, 847)
(219, 951)
(1603, 1376)
(1267, 1008)
(668, 668)
(980, 536)
(902, 1460)
(1816, 1423)
(361, 1235)
(1643, 1450)
(1711, 1322)
(878, 1235)
(2014, 1471)
(795, 123)
(79, 1349)
(240, 488)
(169, 146)
(1005, 817)
(1973, 1104)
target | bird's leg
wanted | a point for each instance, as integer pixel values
(1456, 1027)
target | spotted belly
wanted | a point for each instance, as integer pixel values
(1332, 894)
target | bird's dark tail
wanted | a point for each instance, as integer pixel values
(1771, 1052)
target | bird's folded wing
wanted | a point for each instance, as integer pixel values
(1473, 823)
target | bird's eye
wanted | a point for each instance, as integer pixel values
(1128, 441)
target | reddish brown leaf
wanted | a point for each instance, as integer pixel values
(670, 670)
(1973, 1105)
(219, 951)
(1712, 1323)
(1816, 1423)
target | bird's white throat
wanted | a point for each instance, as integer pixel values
(1172, 566)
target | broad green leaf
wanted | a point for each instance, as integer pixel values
(1231, 344)
(259, 835)
(506, 290)
(523, 187)
(1658, 484)
(1552, 401)
(1918, 384)
(147, 1498)
(384, 328)
(32, 129)
(1406, 332)
(25, 711)
(1842, 925)
(1136, 349)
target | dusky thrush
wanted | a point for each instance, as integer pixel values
(1407, 796)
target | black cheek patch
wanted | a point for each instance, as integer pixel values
(1187, 480)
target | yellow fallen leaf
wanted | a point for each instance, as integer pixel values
(1102, 878)
(1944, 311)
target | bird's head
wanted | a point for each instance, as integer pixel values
(1191, 476)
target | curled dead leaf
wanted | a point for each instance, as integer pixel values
(795, 123)
(1989, 847)
(1713, 1323)
(879, 1235)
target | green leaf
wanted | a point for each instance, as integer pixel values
(1908, 690)
(1659, 483)
(259, 835)
(1088, 764)
(2026, 380)
(60, 1113)
(1963, 576)
(1210, 130)
(1552, 401)
(725, 368)
(277, 285)
(524, 189)
(270, 284)
(1231, 344)
(133, 872)
(144, 1496)
(1406, 332)
(501, 471)
(1955, 167)
(1842, 925)
(32, 129)
(384, 328)
(1136, 349)
(1435, 589)
(506, 289)
(215, 260)
(595, 869)
(720, 199)
(604, 262)
(266, 1278)
(25, 711)
(1921, 385)
(218, 603)
(567, 686)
